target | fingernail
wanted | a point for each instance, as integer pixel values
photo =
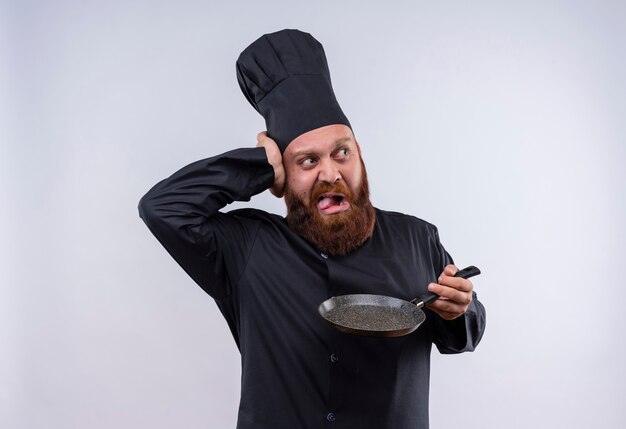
(431, 286)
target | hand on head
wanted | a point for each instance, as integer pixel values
(275, 158)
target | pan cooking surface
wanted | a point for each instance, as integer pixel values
(372, 317)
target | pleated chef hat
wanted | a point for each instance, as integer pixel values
(285, 76)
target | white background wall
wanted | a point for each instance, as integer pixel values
(501, 122)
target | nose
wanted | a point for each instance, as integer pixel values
(328, 172)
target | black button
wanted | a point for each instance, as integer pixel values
(331, 417)
(324, 255)
(334, 358)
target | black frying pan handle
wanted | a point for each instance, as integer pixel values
(468, 272)
(465, 273)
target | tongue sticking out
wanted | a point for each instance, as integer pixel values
(326, 202)
(332, 204)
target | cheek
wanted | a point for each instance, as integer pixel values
(300, 186)
(354, 177)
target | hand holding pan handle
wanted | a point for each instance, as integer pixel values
(428, 298)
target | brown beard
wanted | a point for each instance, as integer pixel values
(336, 234)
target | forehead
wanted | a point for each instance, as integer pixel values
(320, 140)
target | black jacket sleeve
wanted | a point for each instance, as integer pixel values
(182, 212)
(463, 333)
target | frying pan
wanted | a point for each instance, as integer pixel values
(379, 315)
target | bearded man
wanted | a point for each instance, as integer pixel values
(268, 274)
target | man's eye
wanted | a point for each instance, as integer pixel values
(342, 153)
(308, 161)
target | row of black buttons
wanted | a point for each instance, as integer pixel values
(334, 359)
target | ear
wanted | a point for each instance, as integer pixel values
(358, 146)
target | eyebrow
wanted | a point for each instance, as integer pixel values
(311, 151)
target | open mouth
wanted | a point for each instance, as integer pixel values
(332, 202)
